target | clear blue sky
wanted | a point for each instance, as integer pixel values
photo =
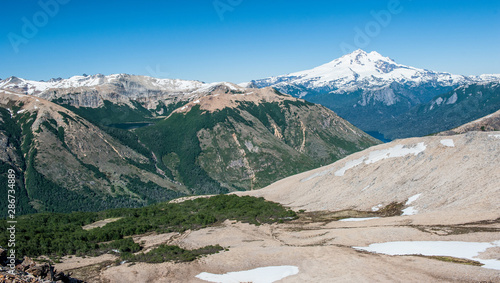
(240, 40)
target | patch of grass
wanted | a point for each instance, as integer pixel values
(165, 253)
(328, 216)
(454, 260)
(392, 209)
(443, 230)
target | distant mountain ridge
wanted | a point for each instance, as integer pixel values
(367, 71)
(369, 89)
(447, 111)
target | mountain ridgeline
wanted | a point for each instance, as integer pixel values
(130, 151)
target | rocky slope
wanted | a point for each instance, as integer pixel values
(368, 89)
(239, 139)
(488, 123)
(448, 179)
(431, 200)
(59, 157)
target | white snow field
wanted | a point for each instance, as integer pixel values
(258, 275)
(466, 250)
(448, 143)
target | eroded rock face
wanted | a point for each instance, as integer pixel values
(50, 147)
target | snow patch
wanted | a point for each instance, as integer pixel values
(467, 250)
(374, 156)
(378, 155)
(410, 211)
(13, 93)
(259, 275)
(396, 151)
(495, 136)
(319, 174)
(412, 199)
(452, 99)
(349, 165)
(358, 219)
(377, 207)
(448, 143)
(21, 111)
(196, 101)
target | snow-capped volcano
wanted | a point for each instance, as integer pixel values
(369, 89)
(365, 71)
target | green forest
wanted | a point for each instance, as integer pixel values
(59, 234)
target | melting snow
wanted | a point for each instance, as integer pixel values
(452, 99)
(374, 156)
(358, 219)
(259, 275)
(396, 151)
(21, 111)
(412, 199)
(16, 94)
(448, 143)
(410, 211)
(349, 165)
(322, 173)
(378, 155)
(467, 250)
(377, 207)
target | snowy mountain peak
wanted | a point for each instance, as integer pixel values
(362, 70)
(355, 67)
(359, 56)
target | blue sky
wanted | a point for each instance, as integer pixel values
(240, 40)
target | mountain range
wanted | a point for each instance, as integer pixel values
(379, 95)
(128, 142)
(414, 209)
